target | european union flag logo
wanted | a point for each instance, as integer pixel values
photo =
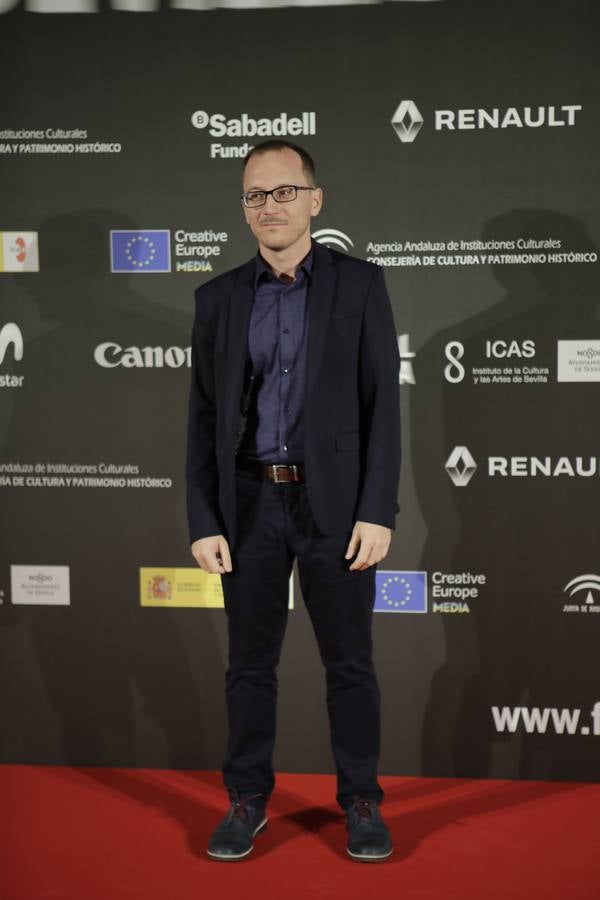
(140, 251)
(400, 592)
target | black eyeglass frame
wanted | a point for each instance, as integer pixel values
(282, 187)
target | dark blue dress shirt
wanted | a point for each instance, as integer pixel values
(277, 349)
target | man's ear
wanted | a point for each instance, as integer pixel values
(317, 201)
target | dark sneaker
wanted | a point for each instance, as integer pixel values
(368, 838)
(234, 838)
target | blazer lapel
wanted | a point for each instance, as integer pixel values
(320, 301)
(240, 306)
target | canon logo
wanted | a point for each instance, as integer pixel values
(111, 355)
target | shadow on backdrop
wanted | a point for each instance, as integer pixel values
(529, 536)
(130, 685)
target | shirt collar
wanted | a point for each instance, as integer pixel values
(263, 270)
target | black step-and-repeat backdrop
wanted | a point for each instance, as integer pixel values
(458, 146)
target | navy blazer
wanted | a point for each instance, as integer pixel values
(351, 398)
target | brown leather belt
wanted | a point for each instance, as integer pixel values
(280, 473)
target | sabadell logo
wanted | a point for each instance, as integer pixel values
(244, 125)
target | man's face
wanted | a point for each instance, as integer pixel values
(280, 226)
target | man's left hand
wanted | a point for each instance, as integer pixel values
(371, 543)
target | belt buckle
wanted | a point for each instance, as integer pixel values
(276, 466)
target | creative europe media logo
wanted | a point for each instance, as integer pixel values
(140, 251)
(148, 251)
(408, 592)
(400, 592)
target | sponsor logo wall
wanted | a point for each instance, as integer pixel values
(474, 192)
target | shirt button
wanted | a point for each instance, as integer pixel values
(285, 447)
(287, 408)
(285, 371)
(286, 330)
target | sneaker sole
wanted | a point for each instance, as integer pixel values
(230, 857)
(360, 857)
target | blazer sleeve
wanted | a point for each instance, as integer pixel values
(201, 462)
(380, 409)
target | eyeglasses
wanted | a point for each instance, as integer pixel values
(284, 194)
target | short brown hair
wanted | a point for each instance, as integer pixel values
(308, 164)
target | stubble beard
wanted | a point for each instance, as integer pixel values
(278, 242)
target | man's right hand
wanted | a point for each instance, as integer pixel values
(212, 554)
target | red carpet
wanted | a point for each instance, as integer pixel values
(115, 834)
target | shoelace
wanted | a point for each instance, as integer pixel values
(240, 809)
(363, 809)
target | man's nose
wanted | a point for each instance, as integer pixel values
(271, 204)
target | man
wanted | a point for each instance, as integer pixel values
(294, 452)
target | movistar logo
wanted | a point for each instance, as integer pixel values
(10, 335)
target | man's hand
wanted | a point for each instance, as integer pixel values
(371, 542)
(212, 554)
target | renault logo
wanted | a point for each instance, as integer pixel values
(460, 466)
(407, 121)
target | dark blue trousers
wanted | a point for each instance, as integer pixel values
(276, 526)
